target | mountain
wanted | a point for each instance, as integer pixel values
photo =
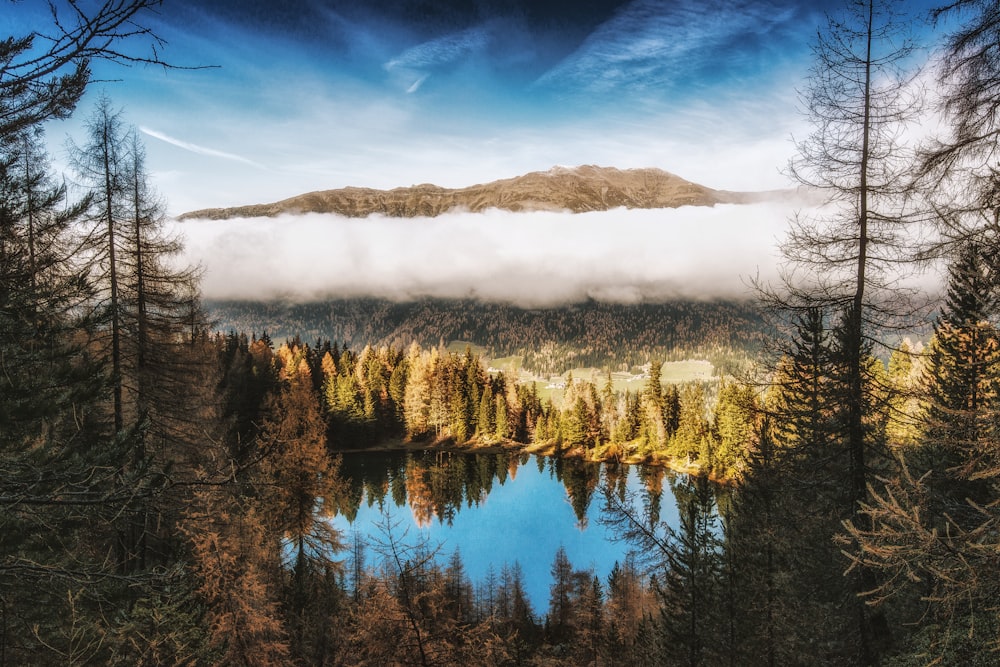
(578, 189)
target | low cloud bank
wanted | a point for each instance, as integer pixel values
(532, 259)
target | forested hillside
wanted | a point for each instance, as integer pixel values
(549, 340)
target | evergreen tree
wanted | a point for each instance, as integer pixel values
(417, 396)
(932, 525)
(689, 592)
(654, 404)
(692, 426)
(503, 426)
(848, 258)
(486, 423)
(152, 317)
(55, 463)
(807, 398)
(735, 413)
(962, 375)
(671, 410)
(559, 623)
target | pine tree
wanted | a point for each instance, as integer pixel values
(806, 396)
(417, 396)
(692, 427)
(503, 427)
(486, 423)
(689, 592)
(151, 325)
(735, 413)
(54, 470)
(963, 371)
(654, 406)
(933, 523)
(559, 623)
(299, 487)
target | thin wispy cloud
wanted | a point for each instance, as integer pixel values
(411, 68)
(415, 86)
(644, 47)
(200, 150)
(442, 50)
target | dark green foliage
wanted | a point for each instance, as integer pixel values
(962, 375)
(689, 589)
(931, 526)
(587, 334)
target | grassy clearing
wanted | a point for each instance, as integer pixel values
(673, 372)
(687, 370)
(506, 364)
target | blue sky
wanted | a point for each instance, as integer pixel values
(318, 94)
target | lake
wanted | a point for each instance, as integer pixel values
(498, 508)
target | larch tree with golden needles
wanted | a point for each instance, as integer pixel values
(298, 487)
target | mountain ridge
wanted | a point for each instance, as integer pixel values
(575, 189)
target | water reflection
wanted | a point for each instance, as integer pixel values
(436, 485)
(502, 508)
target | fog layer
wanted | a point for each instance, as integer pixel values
(532, 259)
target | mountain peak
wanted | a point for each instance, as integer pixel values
(575, 189)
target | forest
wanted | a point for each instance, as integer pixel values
(548, 340)
(166, 488)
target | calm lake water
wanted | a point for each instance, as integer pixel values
(500, 508)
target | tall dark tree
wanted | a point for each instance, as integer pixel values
(685, 562)
(933, 525)
(151, 317)
(807, 399)
(963, 371)
(559, 623)
(689, 590)
(848, 261)
(100, 162)
(52, 472)
(61, 493)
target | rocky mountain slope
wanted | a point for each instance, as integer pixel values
(578, 189)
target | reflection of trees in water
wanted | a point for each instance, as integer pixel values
(418, 488)
(435, 484)
(580, 479)
(652, 492)
(438, 484)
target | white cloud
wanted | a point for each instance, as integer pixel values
(415, 86)
(528, 258)
(412, 67)
(442, 50)
(646, 46)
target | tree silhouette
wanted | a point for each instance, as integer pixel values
(848, 260)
